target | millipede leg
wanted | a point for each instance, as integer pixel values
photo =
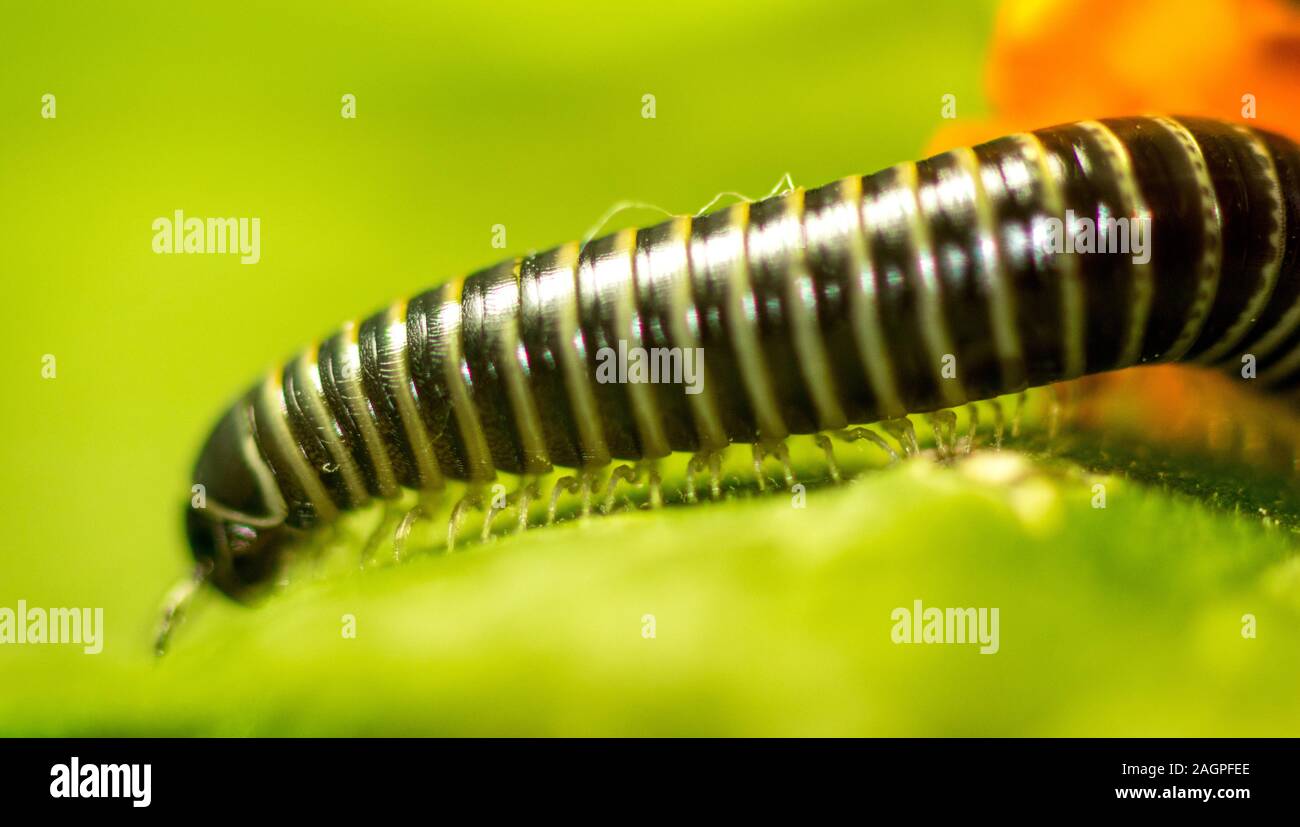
(944, 426)
(624, 473)
(937, 429)
(903, 433)
(526, 494)
(563, 484)
(472, 499)
(377, 534)
(1021, 398)
(710, 461)
(422, 510)
(972, 433)
(949, 419)
(759, 477)
(654, 482)
(998, 424)
(832, 467)
(854, 434)
(782, 454)
(520, 499)
(1054, 412)
(495, 507)
(176, 603)
(586, 486)
(409, 519)
(697, 464)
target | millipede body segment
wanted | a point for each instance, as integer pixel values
(924, 286)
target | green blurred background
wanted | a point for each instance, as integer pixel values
(769, 620)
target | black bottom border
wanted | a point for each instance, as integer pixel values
(239, 777)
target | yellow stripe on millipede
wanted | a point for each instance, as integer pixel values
(801, 309)
(307, 374)
(1211, 263)
(1134, 208)
(646, 414)
(398, 379)
(864, 307)
(510, 361)
(741, 323)
(933, 327)
(354, 397)
(571, 351)
(1002, 313)
(276, 426)
(1073, 308)
(1269, 271)
(478, 456)
(708, 423)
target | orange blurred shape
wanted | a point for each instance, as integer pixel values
(1053, 61)
(1180, 407)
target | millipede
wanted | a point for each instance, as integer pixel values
(914, 290)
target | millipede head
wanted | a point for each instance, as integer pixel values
(237, 531)
(241, 559)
